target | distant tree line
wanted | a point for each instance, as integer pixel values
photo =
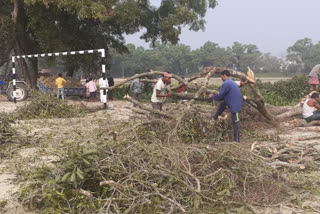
(181, 60)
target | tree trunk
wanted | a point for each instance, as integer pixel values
(17, 47)
(34, 76)
(22, 64)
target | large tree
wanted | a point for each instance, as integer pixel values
(303, 55)
(246, 55)
(59, 25)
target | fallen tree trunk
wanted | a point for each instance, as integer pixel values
(294, 111)
(154, 111)
(273, 114)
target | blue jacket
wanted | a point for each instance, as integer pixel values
(230, 93)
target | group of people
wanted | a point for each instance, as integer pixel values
(229, 95)
(91, 88)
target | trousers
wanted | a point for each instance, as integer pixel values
(315, 116)
(234, 117)
(60, 92)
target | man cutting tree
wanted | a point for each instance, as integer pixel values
(231, 95)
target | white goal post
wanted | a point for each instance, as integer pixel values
(101, 51)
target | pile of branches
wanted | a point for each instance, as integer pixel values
(199, 128)
(46, 105)
(168, 162)
(132, 174)
(8, 133)
(292, 155)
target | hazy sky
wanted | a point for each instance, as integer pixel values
(272, 25)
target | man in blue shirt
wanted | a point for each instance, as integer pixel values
(230, 96)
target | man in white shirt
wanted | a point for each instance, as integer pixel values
(160, 91)
(102, 85)
(311, 107)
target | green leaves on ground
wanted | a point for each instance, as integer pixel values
(46, 105)
(7, 132)
(138, 177)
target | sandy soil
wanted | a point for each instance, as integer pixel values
(7, 106)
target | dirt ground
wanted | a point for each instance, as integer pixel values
(118, 114)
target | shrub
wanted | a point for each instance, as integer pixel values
(284, 92)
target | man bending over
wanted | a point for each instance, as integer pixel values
(231, 95)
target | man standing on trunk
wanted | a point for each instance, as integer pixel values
(160, 91)
(231, 95)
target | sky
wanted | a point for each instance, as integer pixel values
(272, 25)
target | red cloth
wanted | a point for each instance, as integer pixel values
(182, 89)
(313, 81)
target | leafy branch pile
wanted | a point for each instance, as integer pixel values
(194, 128)
(7, 131)
(134, 175)
(44, 106)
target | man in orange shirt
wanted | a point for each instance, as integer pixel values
(60, 82)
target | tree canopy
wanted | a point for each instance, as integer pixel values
(303, 55)
(59, 25)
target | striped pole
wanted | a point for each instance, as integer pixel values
(103, 55)
(14, 79)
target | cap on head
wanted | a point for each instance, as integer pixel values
(167, 74)
(226, 72)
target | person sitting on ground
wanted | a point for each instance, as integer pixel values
(91, 85)
(161, 91)
(60, 83)
(103, 84)
(136, 88)
(311, 108)
(231, 95)
(314, 78)
(303, 100)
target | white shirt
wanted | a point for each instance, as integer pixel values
(103, 83)
(238, 83)
(307, 110)
(163, 90)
